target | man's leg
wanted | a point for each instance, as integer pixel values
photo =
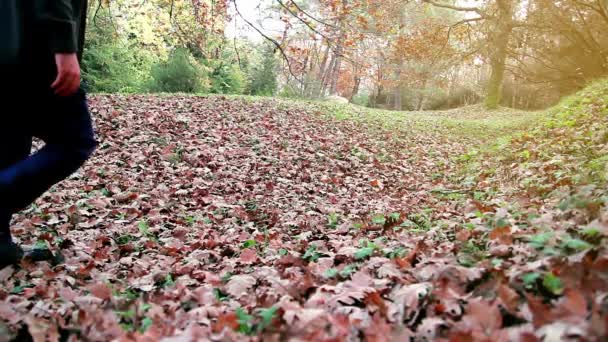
(65, 126)
(15, 145)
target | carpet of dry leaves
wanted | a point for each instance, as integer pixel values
(230, 219)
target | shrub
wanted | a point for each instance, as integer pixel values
(110, 65)
(263, 78)
(180, 73)
(227, 79)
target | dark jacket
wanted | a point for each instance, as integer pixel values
(40, 28)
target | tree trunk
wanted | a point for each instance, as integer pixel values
(355, 88)
(500, 42)
(399, 97)
(495, 85)
(327, 77)
(333, 89)
(322, 75)
(422, 96)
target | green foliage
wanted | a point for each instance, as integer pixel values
(226, 79)
(553, 284)
(114, 65)
(263, 77)
(312, 255)
(249, 244)
(332, 220)
(180, 73)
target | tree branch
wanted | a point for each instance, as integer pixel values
(273, 41)
(458, 8)
(312, 17)
(300, 19)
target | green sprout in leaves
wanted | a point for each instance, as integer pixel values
(399, 252)
(348, 271)
(332, 220)
(249, 244)
(245, 321)
(220, 296)
(379, 219)
(311, 254)
(330, 273)
(530, 279)
(267, 316)
(146, 323)
(366, 251)
(540, 240)
(576, 245)
(553, 284)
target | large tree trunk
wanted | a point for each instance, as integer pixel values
(500, 42)
(327, 77)
(335, 75)
(496, 79)
(422, 96)
(355, 88)
(322, 75)
(333, 89)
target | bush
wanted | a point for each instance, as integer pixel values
(227, 79)
(112, 66)
(461, 96)
(180, 73)
(361, 100)
(263, 79)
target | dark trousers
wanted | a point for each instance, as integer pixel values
(63, 123)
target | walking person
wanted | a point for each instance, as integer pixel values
(41, 44)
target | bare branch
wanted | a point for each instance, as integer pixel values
(273, 41)
(302, 20)
(312, 17)
(458, 8)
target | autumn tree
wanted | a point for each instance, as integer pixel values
(498, 19)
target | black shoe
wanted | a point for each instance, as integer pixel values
(43, 254)
(10, 254)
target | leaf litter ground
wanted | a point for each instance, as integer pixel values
(230, 218)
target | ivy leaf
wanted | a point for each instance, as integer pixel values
(267, 316)
(379, 219)
(577, 244)
(249, 244)
(146, 323)
(539, 241)
(330, 273)
(348, 270)
(364, 253)
(244, 319)
(553, 284)
(311, 254)
(220, 296)
(530, 279)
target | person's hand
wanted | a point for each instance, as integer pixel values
(68, 74)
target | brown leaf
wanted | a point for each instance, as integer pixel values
(502, 234)
(248, 256)
(483, 315)
(239, 285)
(463, 235)
(228, 320)
(101, 291)
(574, 303)
(508, 297)
(374, 299)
